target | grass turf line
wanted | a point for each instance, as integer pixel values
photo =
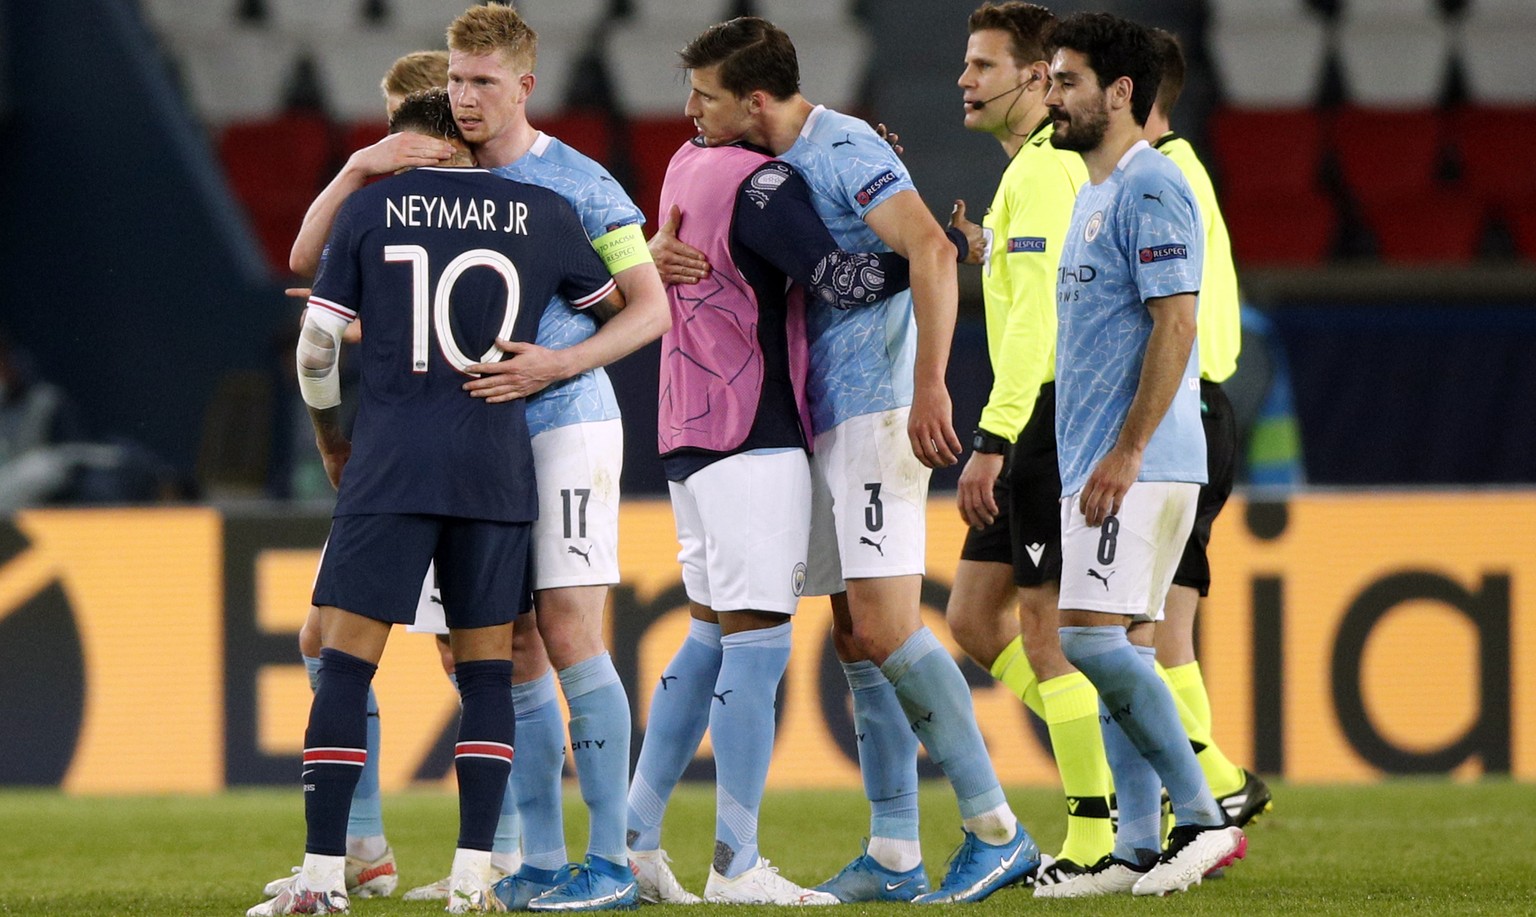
(1409, 846)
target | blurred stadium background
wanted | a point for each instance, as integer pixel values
(1375, 582)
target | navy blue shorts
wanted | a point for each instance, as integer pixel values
(374, 564)
(1220, 425)
(1027, 531)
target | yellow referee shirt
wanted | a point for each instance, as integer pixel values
(1024, 229)
(1218, 326)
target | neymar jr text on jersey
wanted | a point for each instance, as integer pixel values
(422, 211)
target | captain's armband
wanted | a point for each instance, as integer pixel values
(622, 248)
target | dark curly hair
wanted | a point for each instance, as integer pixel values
(752, 54)
(426, 112)
(1116, 48)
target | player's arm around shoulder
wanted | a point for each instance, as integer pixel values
(403, 150)
(639, 315)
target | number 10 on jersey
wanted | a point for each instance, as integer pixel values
(432, 306)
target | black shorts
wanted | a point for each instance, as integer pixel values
(1194, 568)
(1027, 532)
(374, 565)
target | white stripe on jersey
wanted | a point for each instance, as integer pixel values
(591, 298)
(336, 307)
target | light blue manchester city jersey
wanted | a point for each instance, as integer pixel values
(603, 207)
(1137, 236)
(861, 359)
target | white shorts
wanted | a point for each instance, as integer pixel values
(576, 537)
(870, 503)
(1125, 565)
(744, 523)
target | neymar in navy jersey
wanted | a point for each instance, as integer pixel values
(441, 262)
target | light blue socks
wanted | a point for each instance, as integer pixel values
(741, 724)
(679, 714)
(887, 752)
(600, 744)
(1136, 700)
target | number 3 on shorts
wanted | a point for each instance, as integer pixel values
(874, 513)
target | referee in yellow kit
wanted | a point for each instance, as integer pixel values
(1002, 608)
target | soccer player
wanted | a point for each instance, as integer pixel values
(875, 372)
(578, 448)
(1219, 337)
(370, 868)
(1131, 449)
(733, 431)
(1002, 607)
(479, 248)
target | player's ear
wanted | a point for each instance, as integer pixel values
(1119, 93)
(1039, 75)
(526, 82)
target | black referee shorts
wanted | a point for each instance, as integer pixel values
(1194, 568)
(1027, 532)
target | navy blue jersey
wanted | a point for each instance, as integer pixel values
(438, 263)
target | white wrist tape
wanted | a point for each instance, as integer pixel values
(318, 356)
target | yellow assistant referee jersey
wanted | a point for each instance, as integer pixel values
(1025, 228)
(1218, 326)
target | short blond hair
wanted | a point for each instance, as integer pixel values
(416, 72)
(495, 27)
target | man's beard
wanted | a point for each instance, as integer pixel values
(1083, 133)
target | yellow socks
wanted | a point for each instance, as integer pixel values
(1072, 715)
(1012, 669)
(1189, 695)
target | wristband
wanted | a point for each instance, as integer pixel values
(988, 443)
(962, 245)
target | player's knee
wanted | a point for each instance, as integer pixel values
(309, 637)
(848, 649)
(971, 633)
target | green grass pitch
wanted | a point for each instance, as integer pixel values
(1401, 847)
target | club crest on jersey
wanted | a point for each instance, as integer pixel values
(1095, 223)
(872, 190)
(798, 578)
(1026, 244)
(1163, 253)
(768, 179)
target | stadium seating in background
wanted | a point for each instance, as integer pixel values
(1391, 163)
(236, 73)
(1393, 53)
(1267, 53)
(431, 17)
(275, 167)
(191, 16)
(1496, 147)
(642, 56)
(1268, 165)
(832, 47)
(352, 66)
(1495, 42)
(359, 134)
(652, 141)
(590, 132)
(308, 16)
